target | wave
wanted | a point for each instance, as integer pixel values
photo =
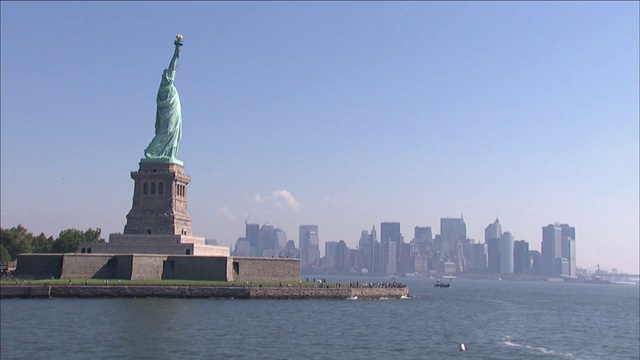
(507, 341)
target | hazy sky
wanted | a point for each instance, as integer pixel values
(340, 114)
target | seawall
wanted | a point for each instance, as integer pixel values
(222, 292)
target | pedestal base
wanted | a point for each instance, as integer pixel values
(154, 244)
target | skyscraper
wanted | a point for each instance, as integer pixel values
(309, 244)
(389, 232)
(568, 246)
(368, 247)
(551, 249)
(493, 231)
(252, 235)
(280, 238)
(476, 255)
(506, 253)
(559, 250)
(492, 235)
(423, 239)
(392, 264)
(341, 256)
(329, 260)
(266, 240)
(521, 261)
(303, 240)
(452, 233)
(493, 249)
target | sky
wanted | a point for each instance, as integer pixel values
(339, 114)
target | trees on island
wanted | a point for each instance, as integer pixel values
(19, 240)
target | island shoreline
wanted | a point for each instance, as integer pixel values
(195, 291)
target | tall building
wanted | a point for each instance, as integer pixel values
(421, 264)
(551, 249)
(536, 262)
(309, 244)
(422, 233)
(252, 235)
(493, 250)
(559, 250)
(568, 246)
(341, 256)
(423, 238)
(476, 255)
(492, 235)
(265, 240)
(329, 260)
(453, 231)
(243, 248)
(406, 263)
(521, 261)
(290, 251)
(280, 238)
(493, 231)
(369, 249)
(392, 264)
(389, 232)
(302, 232)
(506, 253)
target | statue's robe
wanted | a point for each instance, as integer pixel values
(164, 145)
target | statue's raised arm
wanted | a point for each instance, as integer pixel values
(176, 53)
(164, 145)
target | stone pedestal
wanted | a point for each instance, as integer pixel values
(159, 200)
(158, 222)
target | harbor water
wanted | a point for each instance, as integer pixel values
(493, 319)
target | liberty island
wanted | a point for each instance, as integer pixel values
(158, 241)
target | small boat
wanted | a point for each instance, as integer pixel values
(441, 284)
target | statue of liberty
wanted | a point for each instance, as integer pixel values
(164, 145)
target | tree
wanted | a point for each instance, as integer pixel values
(17, 240)
(42, 244)
(4, 254)
(93, 236)
(69, 239)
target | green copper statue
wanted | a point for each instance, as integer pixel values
(164, 145)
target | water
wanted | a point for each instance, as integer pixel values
(494, 319)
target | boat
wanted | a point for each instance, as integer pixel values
(441, 284)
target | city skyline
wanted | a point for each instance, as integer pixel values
(342, 115)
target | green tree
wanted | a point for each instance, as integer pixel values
(93, 236)
(4, 254)
(17, 240)
(69, 239)
(42, 244)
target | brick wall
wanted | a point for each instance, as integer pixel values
(88, 266)
(147, 267)
(265, 269)
(195, 268)
(39, 266)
